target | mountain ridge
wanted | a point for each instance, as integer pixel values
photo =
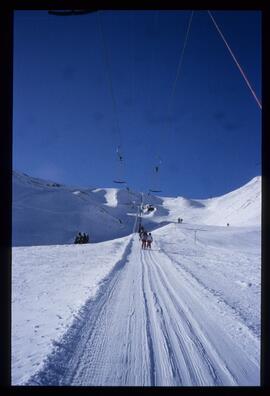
(46, 212)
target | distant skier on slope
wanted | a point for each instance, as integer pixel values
(144, 239)
(141, 230)
(149, 240)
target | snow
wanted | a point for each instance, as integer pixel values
(50, 284)
(111, 197)
(186, 313)
(53, 214)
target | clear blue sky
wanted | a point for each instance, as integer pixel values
(64, 126)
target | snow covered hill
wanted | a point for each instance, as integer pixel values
(185, 313)
(46, 212)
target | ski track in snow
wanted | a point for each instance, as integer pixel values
(150, 325)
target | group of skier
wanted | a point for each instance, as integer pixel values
(145, 238)
(82, 238)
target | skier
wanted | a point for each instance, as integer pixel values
(144, 239)
(141, 230)
(149, 240)
(178, 220)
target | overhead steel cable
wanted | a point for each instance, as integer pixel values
(107, 63)
(235, 60)
(180, 62)
(171, 97)
(119, 151)
(179, 66)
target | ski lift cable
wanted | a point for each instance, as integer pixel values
(180, 63)
(235, 60)
(179, 66)
(106, 57)
(119, 152)
(107, 64)
(171, 97)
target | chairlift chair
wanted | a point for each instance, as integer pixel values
(119, 179)
(155, 191)
(156, 183)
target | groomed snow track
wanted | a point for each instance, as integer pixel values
(148, 326)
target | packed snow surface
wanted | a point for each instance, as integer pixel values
(185, 313)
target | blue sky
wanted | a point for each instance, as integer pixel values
(64, 126)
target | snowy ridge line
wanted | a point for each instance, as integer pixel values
(55, 368)
(220, 301)
(53, 215)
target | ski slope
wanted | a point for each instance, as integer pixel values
(186, 313)
(173, 316)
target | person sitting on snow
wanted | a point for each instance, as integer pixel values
(78, 238)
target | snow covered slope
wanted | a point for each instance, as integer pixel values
(241, 207)
(186, 313)
(49, 286)
(45, 212)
